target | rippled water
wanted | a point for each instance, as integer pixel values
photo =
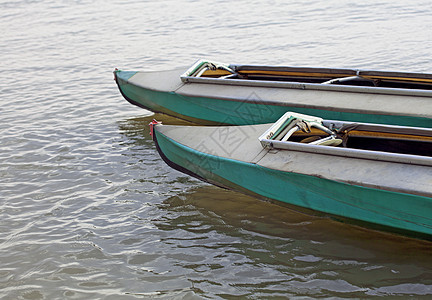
(89, 210)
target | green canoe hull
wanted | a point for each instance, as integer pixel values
(385, 210)
(212, 111)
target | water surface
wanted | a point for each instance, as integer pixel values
(88, 210)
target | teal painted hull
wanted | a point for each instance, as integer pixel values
(399, 212)
(209, 111)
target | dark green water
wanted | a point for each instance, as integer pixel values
(88, 210)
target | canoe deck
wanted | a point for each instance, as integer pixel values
(241, 143)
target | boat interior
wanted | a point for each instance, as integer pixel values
(399, 80)
(384, 138)
(365, 139)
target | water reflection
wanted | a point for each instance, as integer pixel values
(147, 168)
(241, 236)
(140, 124)
(249, 214)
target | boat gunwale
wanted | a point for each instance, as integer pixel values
(308, 86)
(350, 152)
(297, 104)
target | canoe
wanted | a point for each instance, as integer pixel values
(215, 93)
(370, 174)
